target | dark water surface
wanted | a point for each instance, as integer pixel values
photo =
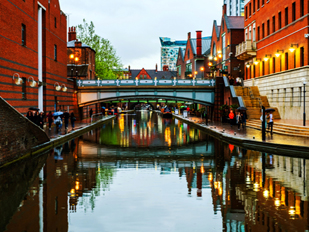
(146, 173)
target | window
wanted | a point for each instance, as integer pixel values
(188, 53)
(279, 20)
(286, 61)
(223, 47)
(55, 22)
(263, 30)
(246, 10)
(23, 34)
(295, 59)
(24, 89)
(274, 24)
(293, 11)
(249, 9)
(280, 59)
(253, 35)
(263, 2)
(258, 4)
(268, 27)
(258, 34)
(286, 16)
(55, 52)
(263, 68)
(253, 70)
(302, 56)
(253, 6)
(140, 76)
(274, 64)
(301, 8)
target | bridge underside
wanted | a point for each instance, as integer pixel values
(200, 96)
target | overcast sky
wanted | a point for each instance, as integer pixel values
(134, 26)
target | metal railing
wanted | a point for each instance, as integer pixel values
(246, 46)
(96, 115)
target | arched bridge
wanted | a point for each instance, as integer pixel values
(196, 91)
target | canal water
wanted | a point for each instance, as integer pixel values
(146, 173)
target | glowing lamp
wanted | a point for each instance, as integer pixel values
(195, 72)
(64, 88)
(277, 202)
(202, 68)
(57, 86)
(266, 193)
(32, 82)
(292, 211)
(220, 55)
(215, 58)
(256, 187)
(293, 47)
(265, 58)
(210, 58)
(248, 65)
(17, 79)
(209, 63)
(76, 59)
(72, 56)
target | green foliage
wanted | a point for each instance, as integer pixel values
(106, 60)
(234, 106)
(223, 107)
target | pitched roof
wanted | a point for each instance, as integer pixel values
(206, 41)
(234, 22)
(217, 28)
(152, 73)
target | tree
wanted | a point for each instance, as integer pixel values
(106, 61)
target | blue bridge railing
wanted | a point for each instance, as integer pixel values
(175, 82)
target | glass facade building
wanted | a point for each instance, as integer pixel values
(234, 7)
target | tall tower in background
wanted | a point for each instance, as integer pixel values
(169, 52)
(234, 7)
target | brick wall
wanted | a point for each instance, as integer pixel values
(18, 134)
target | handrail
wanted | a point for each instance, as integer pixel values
(94, 115)
(226, 81)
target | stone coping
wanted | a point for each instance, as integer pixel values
(60, 140)
(251, 144)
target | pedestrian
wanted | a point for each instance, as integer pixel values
(73, 119)
(66, 116)
(30, 115)
(58, 122)
(271, 122)
(90, 112)
(231, 117)
(238, 120)
(243, 119)
(50, 119)
(36, 118)
(238, 81)
(41, 120)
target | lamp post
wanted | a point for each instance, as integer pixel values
(304, 117)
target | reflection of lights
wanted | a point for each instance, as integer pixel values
(266, 193)
(72, 191)
(248, 180)
(216, 185)
(292, 211)
(210, 176)
(167, 136)
(121, 124)
(202, 169)
(277, 202)
(256, 187)
(77, 185)
(220, 191)
(58, 172)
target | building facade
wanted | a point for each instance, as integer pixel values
(275, 51)
(33, 55)
(234, 7)
(169, 52)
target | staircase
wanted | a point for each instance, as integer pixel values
(253, 101)
(283, 129)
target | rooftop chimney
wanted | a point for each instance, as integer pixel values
(189, 35)
(129, 68)
(156, 67)
(224, 9)
(198, 43)
(72, 33)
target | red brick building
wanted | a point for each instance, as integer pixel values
(80, 58)
(222, 60)
(275, 51)
(192, 61)
(33, 55)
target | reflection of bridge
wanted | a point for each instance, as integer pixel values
(95, 91)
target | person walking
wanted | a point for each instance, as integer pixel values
(41, 120)
(231, 117)
(36, 118)
(238, 120)
(271, 122)
(66, 116)
(50, 119)
(261, 118)
(90, 112)
(30, 115)
(73, 119)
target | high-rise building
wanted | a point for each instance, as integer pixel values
(169, 52)
(234, 7)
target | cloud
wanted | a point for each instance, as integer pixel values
(134, 26)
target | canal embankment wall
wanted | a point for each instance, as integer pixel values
(26, 139)
(251, 144)
(17, 134)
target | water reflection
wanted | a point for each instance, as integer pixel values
(116, 179)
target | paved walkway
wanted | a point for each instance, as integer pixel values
(249, 133)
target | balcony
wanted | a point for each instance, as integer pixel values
(246, 50)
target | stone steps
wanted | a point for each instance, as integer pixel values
(283, 129)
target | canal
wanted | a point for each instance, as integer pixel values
(142, 172)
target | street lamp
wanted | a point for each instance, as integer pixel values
(202, 70)
(304, 83)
